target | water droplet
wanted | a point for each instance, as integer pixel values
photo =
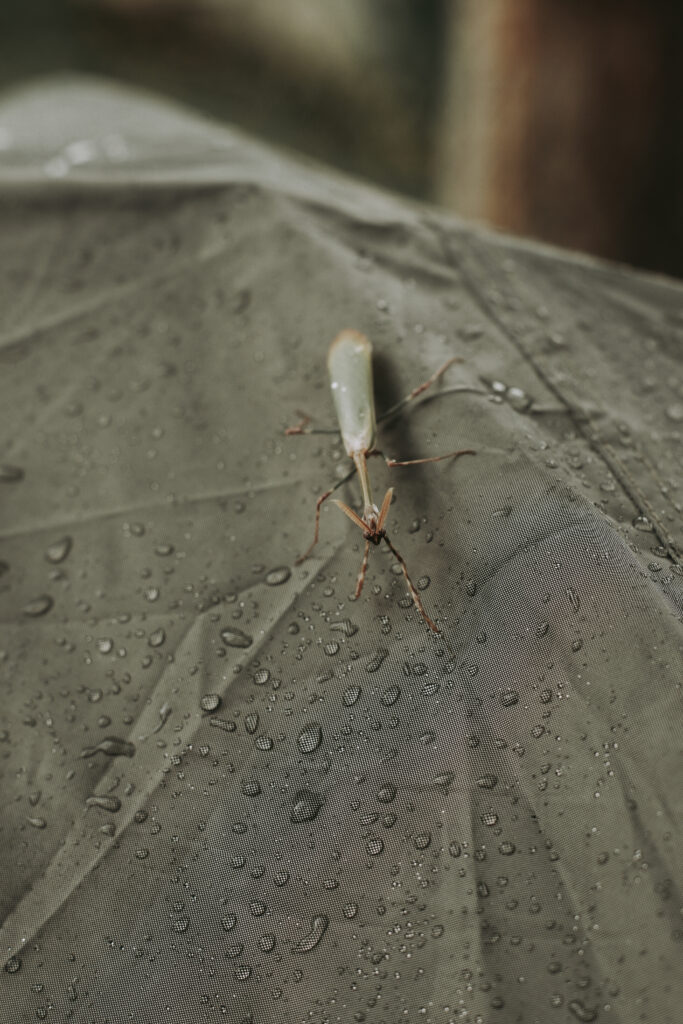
(181, 924)
(251, 787)
(267, 943)
(210, 702)
(508, 698)
(489, 818)
(471, 587)
(345, 626)
(643, 524)
(331, 648)
(423, 582)
(13, 964)
(351, 695)
(38, 606)
(277, 576)
(251, 722)
(375, 662)
(11, 474)
(261, 676)
(227, 725)
(488, 781)
(157, 638)
(574, 599)
(228, 922)
(507, 848)
(105, 803)
(350, 910)
(234, 951)
(374, 846)
(386, 793)
(318, 928)
(581, 1012)
(37, 822)
(112, 746)
(310, 738)
(306, 806)
(58, 551)
(455, 849)
(422, 840)
(542, 628)
(263, 743)
(390, 696)
(236, 638)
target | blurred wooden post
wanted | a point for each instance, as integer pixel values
(562, 120)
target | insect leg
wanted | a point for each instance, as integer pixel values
(432, 458)
(418, 390)
(302, 427)
(318, 505)
(414, 594)
(363, 568)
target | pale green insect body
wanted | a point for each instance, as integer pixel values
(349, 363)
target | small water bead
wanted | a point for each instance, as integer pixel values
(157, 638)
(267, 942)
(422, 840)
(375, 662)
(58, 551)
(506, 848)
(278, 576)
(310, 738)
(471, 588)
(306, 806)
(112, 746)
(37, 822)
(351, 695)
(345, 626)
(508, 698)
(487, 781)
(164, 550)
(210, 702)
(142, 853)
(251, 722)
(105, 803)
(423, 582)
(263, 743)
(581, 1012)
(390, 696)
(38, 606)
(386, 793)
(261, 677)
(350, 910)
(331, 648)
(226, 725)
(251, 787)
(643, 524)
(374, 846)
(232, 952)
(236, 638)
(489, 818)
(13, 964)
(542, 628)
(228, 922)
(318, 928)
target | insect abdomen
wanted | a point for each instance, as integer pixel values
(350, 367)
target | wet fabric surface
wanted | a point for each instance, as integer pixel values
(229, 790)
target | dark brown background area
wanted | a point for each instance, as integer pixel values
(560, 121)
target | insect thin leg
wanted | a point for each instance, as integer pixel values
(363, 570)
(302, 427)
(414, 594)
(418, 390)
(318, 506)
(433, 458)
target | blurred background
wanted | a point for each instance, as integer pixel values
(555, 119)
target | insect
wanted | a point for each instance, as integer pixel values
(349, 363)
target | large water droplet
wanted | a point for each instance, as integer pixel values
(277, 576)
(236, 638)
(306, 806)
(58, 551)
(38, 606)
(310, 738)
(318, 928)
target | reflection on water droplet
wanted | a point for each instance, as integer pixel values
(236, 638)
(277, 576)
(58, 551)
(38, 606)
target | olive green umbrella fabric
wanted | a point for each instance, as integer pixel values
(230, 791)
